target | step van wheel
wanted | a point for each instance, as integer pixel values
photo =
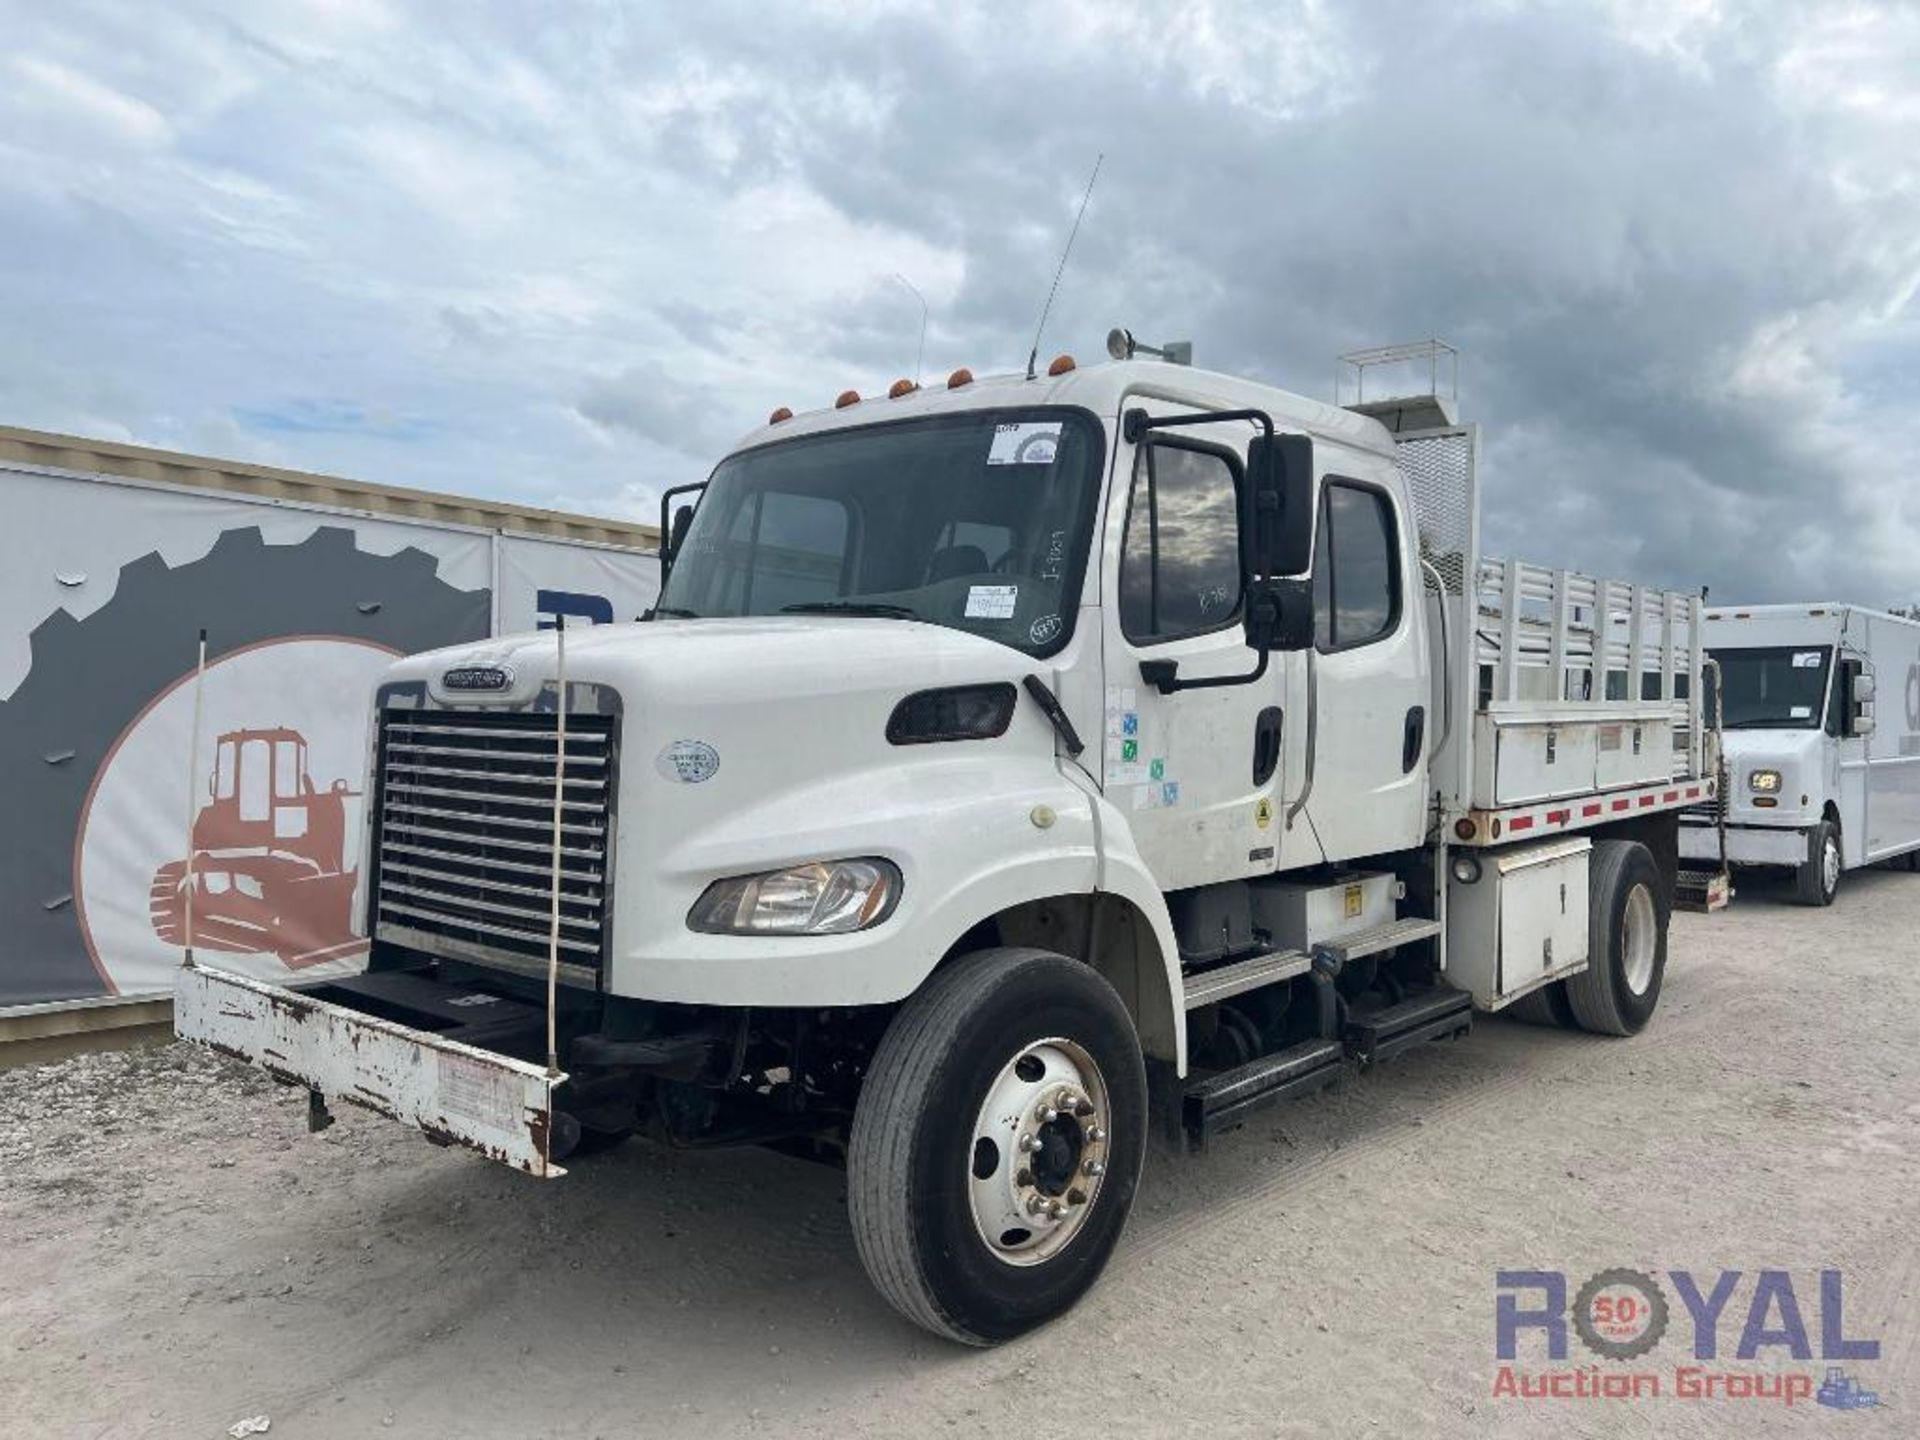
(1627, 912)
(1817, 880)
(1546, 1006)
(997, 1144)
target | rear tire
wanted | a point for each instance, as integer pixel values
(1627, 913)
(957, 1089)
(1817, 880)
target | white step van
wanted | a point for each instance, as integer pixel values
(1821, 708)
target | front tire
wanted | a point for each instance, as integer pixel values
(997, 1144)
(1817, 880)
(1627, 913)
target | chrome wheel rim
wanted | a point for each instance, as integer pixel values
(1829, 864)
(1037, 1155)
(1639, 939)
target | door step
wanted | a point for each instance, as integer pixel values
(1223, 982)
(1225, 1100)
(1382, 937)
(1435, 1015)
(1705, 890)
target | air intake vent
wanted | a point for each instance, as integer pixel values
(465, 839)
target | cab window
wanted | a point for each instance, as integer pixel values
(1180, 558)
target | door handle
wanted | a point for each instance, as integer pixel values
(1266, 744)
(1414, 739)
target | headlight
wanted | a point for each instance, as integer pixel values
(1763, 780)
(829, 897)
(1466, 868)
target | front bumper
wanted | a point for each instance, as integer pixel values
(454, 1093)
(1746, 845)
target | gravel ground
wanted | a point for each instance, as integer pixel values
(181, 1255)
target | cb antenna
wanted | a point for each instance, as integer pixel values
(1033, 357)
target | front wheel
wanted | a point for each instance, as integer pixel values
(997, 1144)
(1817, 880)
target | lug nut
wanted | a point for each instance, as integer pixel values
(1095, 1134)
(1048, 1114)
(1037, 1205)
(1057, 1210)
(1030, 1143)
(1023, 1178)
(1095, 1168)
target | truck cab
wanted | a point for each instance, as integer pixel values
(992, 744)
(1815, 784)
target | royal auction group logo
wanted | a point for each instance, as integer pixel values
(1621, 1316)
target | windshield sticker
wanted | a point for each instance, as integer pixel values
(1043, 630)
(991, 602)
(1806, 659)
(1056, 556)
(1031, 442)
(1800, 712)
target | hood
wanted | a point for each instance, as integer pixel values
(1800, 757)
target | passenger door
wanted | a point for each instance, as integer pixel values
(1374, 726)
(1199, 773)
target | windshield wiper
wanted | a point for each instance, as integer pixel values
(675, 611)
(851, 607)
(1770, 722)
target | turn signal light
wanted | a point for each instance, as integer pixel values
(847, 397)
(901, 387)
(783, 413)
(962, 376)
(1061, 365)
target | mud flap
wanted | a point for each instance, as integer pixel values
(455, 1093)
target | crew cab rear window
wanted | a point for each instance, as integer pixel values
(1356, 573)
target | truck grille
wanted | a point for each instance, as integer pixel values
(465, 840)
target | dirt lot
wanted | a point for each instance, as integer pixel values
(179, 1254)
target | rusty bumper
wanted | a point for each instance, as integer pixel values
(455, 1093)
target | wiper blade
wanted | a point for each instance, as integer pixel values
(851, 607)
(675, 611)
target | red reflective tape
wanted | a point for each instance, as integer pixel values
(1593, 809)
(1645, 800)
(1621, 804)
(1671, 796)
(1520, 822)
(1692, 792)
(1558, 817)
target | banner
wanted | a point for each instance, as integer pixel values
(104, 588)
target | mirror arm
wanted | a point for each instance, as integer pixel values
(1138, 422)
(1164, 676)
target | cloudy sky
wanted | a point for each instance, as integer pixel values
(563, 254)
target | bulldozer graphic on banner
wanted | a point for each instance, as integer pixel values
(271, 873)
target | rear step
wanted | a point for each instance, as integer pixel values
(1225, 1100)
(1435, 1015)
(1706, 890)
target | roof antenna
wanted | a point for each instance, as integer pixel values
(1033, 358)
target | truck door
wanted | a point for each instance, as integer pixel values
(1202, 774)
(1373, 728)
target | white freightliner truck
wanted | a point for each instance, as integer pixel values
(992, 743)
(1823, 776)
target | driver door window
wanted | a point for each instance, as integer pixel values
(1180, 559)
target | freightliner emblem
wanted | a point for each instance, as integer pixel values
(477, 677)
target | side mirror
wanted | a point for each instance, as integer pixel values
(1276, 510)
(677, 535)
(1279, 614)
(1859, 697)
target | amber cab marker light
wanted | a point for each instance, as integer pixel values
(847, 397)
(783, 413)
(901, 387)
(962, 376)
(1060, 366)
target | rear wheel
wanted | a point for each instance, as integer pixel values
(1626, 941)
(1817, 880)
(997, 1144)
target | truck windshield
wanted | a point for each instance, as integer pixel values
(1776, 687)
(976, 521)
